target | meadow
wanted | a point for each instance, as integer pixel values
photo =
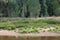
(30, 25)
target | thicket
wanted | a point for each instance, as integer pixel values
(29, 8)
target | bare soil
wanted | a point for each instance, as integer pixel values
(11, 33)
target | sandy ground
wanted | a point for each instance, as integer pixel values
(11, 33)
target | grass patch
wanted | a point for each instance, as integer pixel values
(30, 26)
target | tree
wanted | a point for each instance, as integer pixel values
(29, 8)
(43, 11)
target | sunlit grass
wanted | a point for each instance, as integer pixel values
(30, 26)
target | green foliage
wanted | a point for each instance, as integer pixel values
(29, 8)
(29, 30)
(8, 26)
(57, 29)
(30, 26)
(52, 21)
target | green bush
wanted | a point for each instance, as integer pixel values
(28, 30)
(52, 22)
(10, 26)
(30, 26)
(2, 25)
